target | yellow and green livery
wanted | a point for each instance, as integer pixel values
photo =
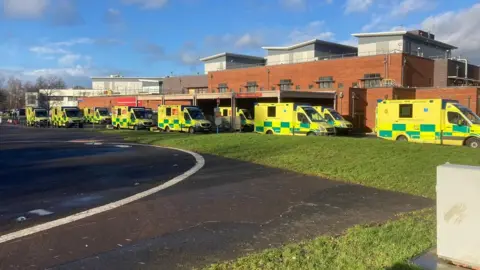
(97, 115)
(438, 121)
(335, 119)
(127, 117)
(246, 119)
(37, 117)
(182, 118)
(290, 119)
(66, 116)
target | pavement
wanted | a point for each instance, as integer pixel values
(227, 209)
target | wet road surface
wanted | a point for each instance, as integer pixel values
(227, 209)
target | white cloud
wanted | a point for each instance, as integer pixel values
(459, 28)
(312, 30)
(294, 4)
(357, 6)
(24, 9)
(374, 23)
(407, 6)
(227, 41)
(47, 50)
(147, 4)
(69, 60)
(113, 16)
(248, 41)
(73, 42)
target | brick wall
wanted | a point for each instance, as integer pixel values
(344, 71)
(373, 95)
(419, 71)
(467, 96)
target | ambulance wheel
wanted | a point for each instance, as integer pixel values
(473, 143)
(135, 127)
(402, 138)
(269, 132)
(310, 134)
(118, 126)
(167, 129)
(191, 130)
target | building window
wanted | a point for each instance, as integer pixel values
(32, 99)
(272, 111)
(372, 80)
(406, 110)
(340, 85)
(168, 112)
(72, 99)
(325, 82)
(285, 84)
(222, 88)
(251, 86)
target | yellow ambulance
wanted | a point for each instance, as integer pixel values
(335, 119)
(97, 115)
(37, 117)
(246, 119)
(437, 121)
(290, 119)
(66, 116)
(182, 118)
(127, 117)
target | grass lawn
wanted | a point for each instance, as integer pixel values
(403, 167)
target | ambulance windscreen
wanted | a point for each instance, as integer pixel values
(103, 112)
(475, 119)
(73, 113)
(139, 113)
(313, 115)
(247, 114)
(196, 114)
(336, 115)
(40, 113)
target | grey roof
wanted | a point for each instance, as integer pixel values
(308, 42)
(231, 54)
(406, 33)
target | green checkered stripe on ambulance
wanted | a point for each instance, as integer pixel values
(424, 131)
(282, 127)
(120, 121)
(173, 124)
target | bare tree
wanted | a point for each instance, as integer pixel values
(16, 93)
(49, 86)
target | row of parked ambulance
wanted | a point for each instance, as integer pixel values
(436, 121)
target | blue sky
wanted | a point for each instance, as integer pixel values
(79, 39)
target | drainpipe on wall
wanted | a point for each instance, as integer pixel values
(466, 67)
(404, 61)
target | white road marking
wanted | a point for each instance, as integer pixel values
(122, 146)
(200, 162)
(40, 212)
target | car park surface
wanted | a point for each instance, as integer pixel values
(225, 210)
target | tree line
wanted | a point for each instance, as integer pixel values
(12, 89)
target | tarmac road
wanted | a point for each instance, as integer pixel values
(42, 181)
(227, 209)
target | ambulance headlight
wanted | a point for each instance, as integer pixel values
(344, 125)
(197, 124)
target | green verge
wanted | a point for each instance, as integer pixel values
(396, 166)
